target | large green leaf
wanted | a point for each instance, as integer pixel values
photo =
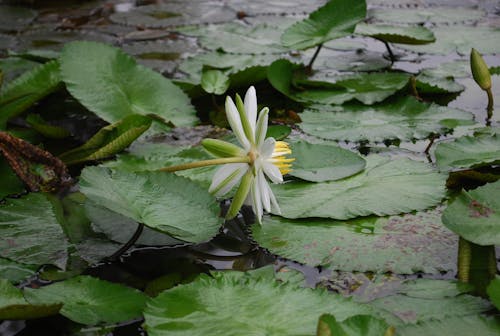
(90, 301)
(13, 305)
(15, 272)
(449, 41)
(336, 19)
(31, 233)
(386, 187)
(11, 184)
(475, 216)
(494, 291)
(396, 34)
(162, 201)
(434, 14)
(110, 83)
(398, 244)
(409, 307)
(109, 140)
(368, 88)
(462, 325)
(324, 162)
(359, 325)
(468, 152)
(214, 81)
(402, 118)
(207, 306)
(27, 89)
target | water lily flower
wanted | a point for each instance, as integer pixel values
(259, 158)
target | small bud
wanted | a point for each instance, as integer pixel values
(480, 70)
(221, 149)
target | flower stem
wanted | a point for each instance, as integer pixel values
(309, 66)
(206, 163)
(489, 108)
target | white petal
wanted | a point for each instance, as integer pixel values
(276, 207)
(264, 193)
(256, 201)
(233, 117)
(226, 177)
(261, 131)
(272, 172)
(251, 107)
(267, 148)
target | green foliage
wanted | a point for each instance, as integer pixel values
(109, 140)
(324, 162)
(117, 86)
(27, 89)
(358, 325)
(214, 81)
(10, 182)
(90, 301)
(494, 291)
(385, 187)
(396, 34)
(43, 127)
(283, 309)
(15, 272)
(402, 118)
(398, 244)
(31, 233)
(474, 214)
(336, 19)
(163, 201)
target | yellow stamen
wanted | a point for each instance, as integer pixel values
(279, 159)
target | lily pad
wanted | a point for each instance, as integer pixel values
(462, 325)
(468, 152)
(11, 184)
(337, 18)
(214, 81)
(494, 291)
(283, 309)
(399, 244)
(359, 325)
(396, 34)
(31, 233)
(324, 162)
(15, 272)
(402, 118)
(13, 18)
(437, 85)
(90, 301)
(162, 201)
(13, 305)
(386, 187)
(474, 215)
(119, 86)
(434, 14)
(27, 89)
(448, 41)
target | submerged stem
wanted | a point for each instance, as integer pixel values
(389, 50)
(206, 163)
(128, 244)
(309, 66)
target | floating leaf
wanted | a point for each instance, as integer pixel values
(235, 37)
(118, 87)
(449, 41)
(189, 309)
(493, 291)
(368, 88)
(162, 201)
(386, 187)
(468, 152)
(474, 215)
(437, 85)
(434, 14)
(403, 308)
(27, 89)
(396, 34)
(215, 81)
(462, 325)
(31, 233)
(324, 162)
(397, 244)
(15, 272)
(403, 118)
(13, 67)
(13, 305)
(109, 140)
(11, 184)
(337, 18)
(15, 18)
(90, 301)
(359, 325)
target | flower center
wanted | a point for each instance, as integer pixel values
(279, 159)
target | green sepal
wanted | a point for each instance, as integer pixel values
(222, 149)
(244, 119)
(241, 195)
